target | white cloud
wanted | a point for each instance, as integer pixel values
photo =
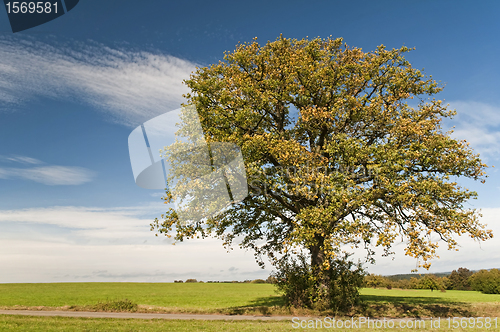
(50, 175)
(53, 175)
(91, 223)
(132, 86)
(20, 159)
(478, 123)
(113, 244)
(471, 254)
(162, 194)
(70, 243)
(4, 174)
(477, 113)
(32, 261)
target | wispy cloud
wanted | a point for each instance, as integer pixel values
(20, 159)
(479, 124)
(80, 217)
(88, 224)
(52, 175)
(132, 86)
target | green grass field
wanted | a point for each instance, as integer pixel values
(49, 324)
(427, 296)
(204, 297)
(228, 298)
(426, 303)
(170, 297)
(43, 324)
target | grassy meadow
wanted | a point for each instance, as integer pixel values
(222, 298)
(166, 297)
(50, 324)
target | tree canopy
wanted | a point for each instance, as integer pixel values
(459, 280)
(341, 147)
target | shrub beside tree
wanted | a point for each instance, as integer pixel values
(297, 280)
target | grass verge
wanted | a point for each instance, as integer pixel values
(50, 324)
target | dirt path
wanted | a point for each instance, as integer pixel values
(88, 314)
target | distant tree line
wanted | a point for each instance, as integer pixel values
(487, 282)
(269, 280)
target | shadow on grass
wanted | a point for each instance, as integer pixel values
(419, 306)
(370, 306)
(261, 305)
(404, 299)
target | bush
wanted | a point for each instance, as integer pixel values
(191, 280)
(258, 281)
(303, 288)
(373, 280)
(487, 282)
(120, 305)
(431, 282)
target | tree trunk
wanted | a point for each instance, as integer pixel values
(318, 257)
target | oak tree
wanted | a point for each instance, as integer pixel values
(342, 148)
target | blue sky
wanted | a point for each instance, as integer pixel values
(73, 89)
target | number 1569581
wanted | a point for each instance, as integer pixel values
(31, 7)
